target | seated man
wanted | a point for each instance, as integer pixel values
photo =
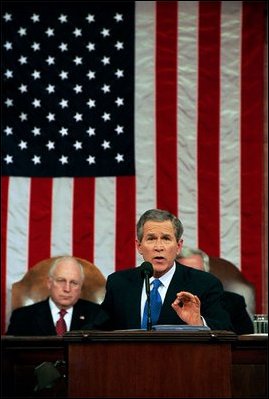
(65, 280)
(233, 303)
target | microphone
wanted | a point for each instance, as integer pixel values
(147, 272)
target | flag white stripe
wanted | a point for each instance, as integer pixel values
(104, 224)
(187, 119)
(62, 216)
(230, 132)
(145, 128)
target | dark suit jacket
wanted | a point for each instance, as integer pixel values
(236, 306)
(36, 319)
(123, 298)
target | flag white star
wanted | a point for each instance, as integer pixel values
(8, 74)
(119, 45)
(91, 131)
(63, 131)
(50, 145)
(90, 18)
(63, 75)
(78, 117)
(8, 46)
(23, 116)
(36, 103)
(23, 60)
(22, 31)
(119, 73)
(8, 130)
(119, 158)
(63, 103)
(50, 88)
(50, 117)
(91, 75)
(7, 17)
(50, 32)
(90, 159)
(63, 159)
(105, 88)
(22, 144)
(9, 102)
(78, 89)
(105, 32)
(119, 101)
(118, 17)
(90, 46)
(91, 103)
(105, 60)
(119, 129)
(22, 88)
(106, 116)
(36, 159)
(77, 32)
(36, 131)
(62, 18)
(36, 75)
(8, 159)
(35, 18)
(78, 60)
(36, 46)
(50, 60)
(78, 145)
(63, 47)
(105, 144)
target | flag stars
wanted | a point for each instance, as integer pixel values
(23, 145)
(62, 18)
(105, 144)
(119, 101)
(119, 45)
(36, 159)
(8, 46)
(35, 18)
(50, 145)
(90, 160)
(118, 17)
(22, 60)
(105, 88)
(8, 159)
(36, 46)
(78, 89)
(105, 32)
(22, 31)
(90, 18)
(50, 117)
(36, 75)
(106, 116)
(91, 131)
(63, 47)
(50, 32)
(119, 129)
(63, 75)
(78, 60)
(78, 117)
(8, 74)
(119, 158)
(91, 75)
(9, 102)
(36, 103)
(50, 88)
(63, 159)
(78, 145)
(63, 103)
(63, 132)
(91, 103)
(23, 116)
(50, 60)
(77, 32)
(119, 73)
(8, 130)
(7, 17)
(90, 46)
(22, 88)
(36, 131)
(105, 60)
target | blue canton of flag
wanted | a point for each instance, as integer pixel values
(68, 89)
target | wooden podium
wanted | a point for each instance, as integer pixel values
(149, 364)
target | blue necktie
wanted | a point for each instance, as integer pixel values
(155, 304)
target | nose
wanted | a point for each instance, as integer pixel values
(67, 286)
(158, 244)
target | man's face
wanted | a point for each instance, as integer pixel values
(65, 285)
(195, 261)
(159, 246)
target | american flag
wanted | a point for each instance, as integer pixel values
(113, 108)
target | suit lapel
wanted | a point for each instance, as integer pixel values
(44, 319)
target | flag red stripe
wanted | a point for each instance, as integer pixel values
(4, 212)
(166, 105)
(125, 222)
(40, 220)
(83, 218)
(251, 143)
(208, 127)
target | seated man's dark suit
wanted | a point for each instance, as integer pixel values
(123, 298)
(236, 306)
(36, 319)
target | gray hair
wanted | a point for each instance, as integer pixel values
(65, 258)
(188, 251)
(158, 215)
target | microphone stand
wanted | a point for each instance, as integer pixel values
(149, 321)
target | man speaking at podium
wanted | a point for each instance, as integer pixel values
(162, 291)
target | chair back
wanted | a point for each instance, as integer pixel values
(33, 288)
(233, 280)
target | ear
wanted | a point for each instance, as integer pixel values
(49, 282)
(179, 246)
(138, 247)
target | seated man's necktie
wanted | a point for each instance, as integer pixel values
(61, 324)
